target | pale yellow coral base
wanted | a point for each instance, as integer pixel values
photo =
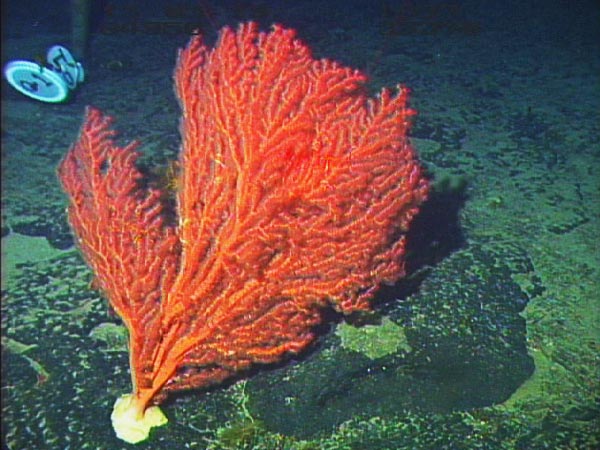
(127, 423)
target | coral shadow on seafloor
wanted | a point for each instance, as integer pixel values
(459, 310)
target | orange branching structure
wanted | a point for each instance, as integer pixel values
(295, 192)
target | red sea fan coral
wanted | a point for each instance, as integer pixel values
(295, 192)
